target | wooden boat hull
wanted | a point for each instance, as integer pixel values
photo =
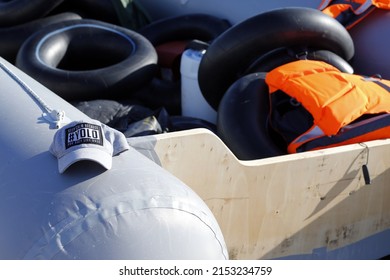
(313, 205)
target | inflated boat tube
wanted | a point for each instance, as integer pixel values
(136, 210)
(188, 27)
(234, 50)
(12, 38)
(242, 119)
(21, 11)
(88, 59)
(282, 56)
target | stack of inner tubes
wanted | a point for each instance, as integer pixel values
(88, 59)
(232, 71)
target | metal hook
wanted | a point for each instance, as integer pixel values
(366, 173)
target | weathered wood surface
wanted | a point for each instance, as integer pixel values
(281, 206)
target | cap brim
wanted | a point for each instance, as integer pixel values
(92, 154)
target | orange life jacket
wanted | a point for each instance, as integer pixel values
(334, 108)
(350, 12)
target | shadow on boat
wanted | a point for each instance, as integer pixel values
(363, 237)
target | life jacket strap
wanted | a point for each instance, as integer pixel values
(313, 133)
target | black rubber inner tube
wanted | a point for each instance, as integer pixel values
(188, 27)
(79, 48)
(15, 12)
(234, 50)
(88, 59)
(103, 10)
(183, 29)
(281, 56)
(243, 120)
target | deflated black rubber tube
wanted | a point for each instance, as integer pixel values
(188, 27)
(88, 59)
(234, 50)
(21, 11)
(243, 119)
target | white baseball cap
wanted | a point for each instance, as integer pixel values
(87, 140)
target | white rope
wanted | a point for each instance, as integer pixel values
(56, 117)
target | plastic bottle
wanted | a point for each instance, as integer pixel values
(193, 104)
